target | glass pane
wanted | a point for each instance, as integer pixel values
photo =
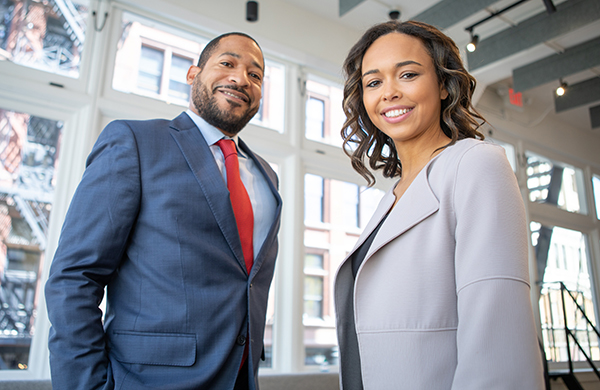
(313, 261)
(150, 72)
(29, 148)
(315, 118)
(324, 114)
(46, 35)
(313, 297)
(151, 55)
(327, 241)
(596, 186)
(178, 88)
(555, 183)
(562, 261)
(271, 113)
(313, 198)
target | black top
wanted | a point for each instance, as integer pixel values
(351, 371)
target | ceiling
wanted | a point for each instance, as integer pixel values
(525, 47)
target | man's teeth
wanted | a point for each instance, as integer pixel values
(395, 113)
(232, 95)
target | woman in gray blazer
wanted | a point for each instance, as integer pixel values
(435, 295)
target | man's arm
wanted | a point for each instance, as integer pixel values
(93, 240)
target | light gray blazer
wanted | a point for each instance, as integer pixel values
(441, 300)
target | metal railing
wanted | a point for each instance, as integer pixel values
(581, 338)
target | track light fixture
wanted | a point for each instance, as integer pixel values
(562, 89)
(472, 46)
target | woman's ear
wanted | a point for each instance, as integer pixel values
(443, 92)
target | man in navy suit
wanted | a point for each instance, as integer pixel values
(152, 220)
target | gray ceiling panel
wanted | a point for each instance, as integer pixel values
(447, 13)
(571, 61)
(595, 117)
(570, 15)
(579, 94)
(347, 5)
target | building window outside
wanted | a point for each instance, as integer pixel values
(315, 118)
(562, 257)
(29, 154)
(271, 113)
(314, 271)
(324, 115)
(335, 213)
(47, 35)
(152, 60)
(556, 183)
(151, 69)
(313, 199)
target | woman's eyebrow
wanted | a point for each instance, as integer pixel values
(398, 65)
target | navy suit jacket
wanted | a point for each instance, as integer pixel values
(152, 221)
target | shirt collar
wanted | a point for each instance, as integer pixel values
(210, 133)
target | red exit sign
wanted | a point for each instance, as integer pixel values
(516, 99)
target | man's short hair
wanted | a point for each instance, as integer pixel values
(211, 46)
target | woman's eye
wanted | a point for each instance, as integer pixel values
(225, 63)
(408, 75)
(373, 83)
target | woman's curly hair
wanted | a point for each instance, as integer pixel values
(458, 117)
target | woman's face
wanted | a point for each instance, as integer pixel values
(401, 92)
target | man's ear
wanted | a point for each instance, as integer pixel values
(191, 74)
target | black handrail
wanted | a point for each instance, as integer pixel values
(568, 331)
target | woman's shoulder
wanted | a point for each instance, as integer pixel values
(475, 151)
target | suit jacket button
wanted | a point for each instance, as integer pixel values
(241, 340)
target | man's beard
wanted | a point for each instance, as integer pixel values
(207, 107)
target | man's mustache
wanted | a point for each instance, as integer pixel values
(235, 88)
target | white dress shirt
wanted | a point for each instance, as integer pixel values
(260, 194)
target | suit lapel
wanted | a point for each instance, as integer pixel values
(271, 179)
(417, 203)
(202, 164)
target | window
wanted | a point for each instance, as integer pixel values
(271, 113)
(45, 35)
(562, 258)
(596, 188)
(335, 211)
(313, 199)
(152, 60)
(29, 156)
(151, 69)
(324, 115)
(555, 183)
(315, 118)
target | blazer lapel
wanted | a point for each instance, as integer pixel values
(271, 179)
(202, 164)
(417, 203)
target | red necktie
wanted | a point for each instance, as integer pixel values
(242, 207)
